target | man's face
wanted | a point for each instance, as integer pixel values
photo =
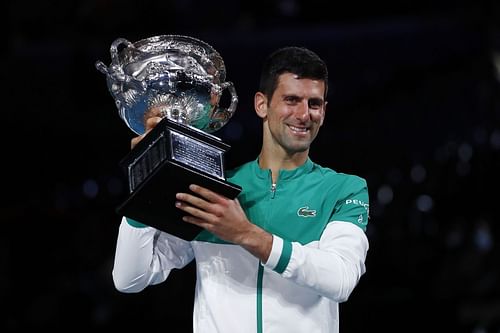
(295, 112)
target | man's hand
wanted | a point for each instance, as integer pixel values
(150, 124)
(224, 218)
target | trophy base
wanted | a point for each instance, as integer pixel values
(157, 171)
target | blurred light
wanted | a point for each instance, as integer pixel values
(495, 139)
(496, 62)
(465, 152)
(482, 237)
(418, 173)
(479, 329)
(424, 203)
(90, 188)
(385, 194)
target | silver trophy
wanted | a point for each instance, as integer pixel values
(180, 79)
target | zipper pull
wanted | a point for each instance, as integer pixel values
(273, 190)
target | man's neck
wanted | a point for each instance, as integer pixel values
(275, 162)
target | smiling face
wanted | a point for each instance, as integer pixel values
(294, 114)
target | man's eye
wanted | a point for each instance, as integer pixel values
(315, 104)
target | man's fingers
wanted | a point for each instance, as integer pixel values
(136, 140)
(206, 193)
(195, 211)
(150, 124)
(193, 200)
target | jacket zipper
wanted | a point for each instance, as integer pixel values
(260, 276)
(273, 185)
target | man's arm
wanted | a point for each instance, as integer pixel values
(330, 267)
(145, 256)
(226, 219)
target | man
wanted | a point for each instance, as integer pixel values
(292, 246)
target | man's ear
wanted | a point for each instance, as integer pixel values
(260, 104)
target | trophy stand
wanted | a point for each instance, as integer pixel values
(170, 158)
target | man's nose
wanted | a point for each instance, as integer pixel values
(302, 112)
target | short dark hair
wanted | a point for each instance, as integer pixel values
(291, 59)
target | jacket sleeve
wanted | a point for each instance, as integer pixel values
(330, 267)
(145, 256)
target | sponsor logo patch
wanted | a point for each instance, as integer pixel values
(306, 212)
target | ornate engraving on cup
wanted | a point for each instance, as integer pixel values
(174, 76)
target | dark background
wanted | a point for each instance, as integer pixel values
(414, 108)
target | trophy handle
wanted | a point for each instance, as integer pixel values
(115, 72)
(114, 48)
(222, 114)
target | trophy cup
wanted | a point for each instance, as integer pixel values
(181, 79)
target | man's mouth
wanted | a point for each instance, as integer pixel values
(298, 130)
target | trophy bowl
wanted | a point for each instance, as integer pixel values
(174, 76)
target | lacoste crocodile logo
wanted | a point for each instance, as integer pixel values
(306, 212)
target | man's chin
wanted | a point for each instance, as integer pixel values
(299, 148)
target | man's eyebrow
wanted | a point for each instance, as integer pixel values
(317, 100)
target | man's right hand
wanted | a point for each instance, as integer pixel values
(150, 124)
